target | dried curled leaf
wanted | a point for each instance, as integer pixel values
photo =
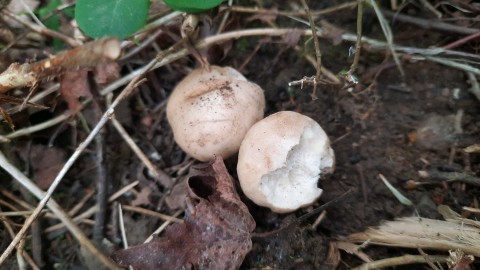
(215, 235)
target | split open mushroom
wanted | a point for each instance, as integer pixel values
(281, 159)
(210, 111)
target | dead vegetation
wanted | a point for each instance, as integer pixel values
(90, 166)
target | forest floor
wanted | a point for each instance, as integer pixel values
(415, 123)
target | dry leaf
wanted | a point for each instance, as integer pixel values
(458, 260)
(106, 73)
(215, 234)
(142, 197)
(176, 199)
(45, 162)
(74, 85)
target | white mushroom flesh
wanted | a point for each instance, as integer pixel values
(281, 160)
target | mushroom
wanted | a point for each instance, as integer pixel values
(281, 159)
(210, 111)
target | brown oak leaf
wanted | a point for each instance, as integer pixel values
(215, 234)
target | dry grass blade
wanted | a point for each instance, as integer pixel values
(388, 34)
(424, 233)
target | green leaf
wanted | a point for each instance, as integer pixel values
(192, 6)
(117, 18)
(53, 22)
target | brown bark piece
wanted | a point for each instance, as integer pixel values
(215, 235)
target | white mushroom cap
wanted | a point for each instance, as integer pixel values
(281, 159)
(211, 111)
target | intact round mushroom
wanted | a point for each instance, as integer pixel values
(281, 159)
(210, 111)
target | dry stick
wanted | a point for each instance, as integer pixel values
(82, 202)
(428, 24)
(92, 210)
(318, 53)
(255, 10)
(462, 41)
(451, 177)
(54, 207)
(151, 213)
(41, 30)
(41, 126)
(162, 227)
(158, 174)
(105, 117)
(358, 43)
(88, 55)
(402, 260)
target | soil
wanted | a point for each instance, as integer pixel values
(387, 124)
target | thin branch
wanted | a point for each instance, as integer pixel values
(325, 11)
(402, 260)
(162, 177)
(92, 210)
(318, 53)
(41, 30)
(429, 24)
(358, 43)
(151, 213)
(105, 117)
(88, 55)
(55, 208)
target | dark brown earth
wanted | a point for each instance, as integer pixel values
(383, 125)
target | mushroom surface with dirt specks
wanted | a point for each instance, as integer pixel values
(210, 111)
(281, 159)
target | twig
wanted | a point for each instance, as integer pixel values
(163, 226)
(427, 259)
(102, 188)
(318, 53)
(151, 213)
(162, 177)
(42, 30)
(38, 127)
(429, 6)
(122, 226)
(428, 24)
(451, 177)
(462, 41)
(358, 43)
(55, 208)
(105, 117)
(92, 210)
(88, 55)
(453, 64)
(402, 260)
(80, 204)
(22, 265)
(325, 11)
